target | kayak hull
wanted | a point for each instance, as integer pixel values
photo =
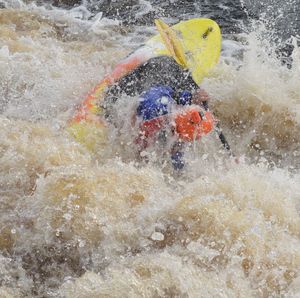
(199, 41)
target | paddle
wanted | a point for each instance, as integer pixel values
(218, 130)
(171, 42)
(176, 49)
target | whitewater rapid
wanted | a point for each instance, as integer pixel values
(80, 224)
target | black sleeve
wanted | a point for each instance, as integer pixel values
(161, 70)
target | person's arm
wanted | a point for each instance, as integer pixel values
(186, 83)
(200, 97)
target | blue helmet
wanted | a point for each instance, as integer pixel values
(155, 102)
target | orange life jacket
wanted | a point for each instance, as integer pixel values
(189, 125)
(192, 125)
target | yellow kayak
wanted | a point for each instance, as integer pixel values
(195, 44)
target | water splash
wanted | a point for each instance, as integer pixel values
(72, 222)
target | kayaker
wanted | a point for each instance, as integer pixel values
(171, 105)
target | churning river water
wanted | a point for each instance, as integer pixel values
(80, 224)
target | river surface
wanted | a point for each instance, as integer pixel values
(80, 224)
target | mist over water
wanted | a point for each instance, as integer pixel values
(80, 224)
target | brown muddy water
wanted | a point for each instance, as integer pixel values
(77, 224)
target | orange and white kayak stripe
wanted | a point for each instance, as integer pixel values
(89, 108)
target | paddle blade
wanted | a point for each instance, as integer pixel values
(195, 44)
(171, 41)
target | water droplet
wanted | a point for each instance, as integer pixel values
(81, 243)
(67, 216)
(156, 236)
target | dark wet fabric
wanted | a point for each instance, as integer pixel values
(161, 70)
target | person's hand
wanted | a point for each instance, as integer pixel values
(199, 96)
